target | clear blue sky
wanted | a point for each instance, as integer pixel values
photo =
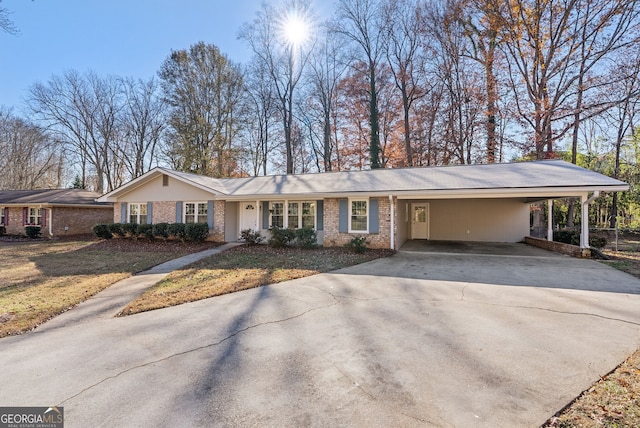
(119, 37)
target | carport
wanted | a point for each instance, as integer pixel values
(493, 205)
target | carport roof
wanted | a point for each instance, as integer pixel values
(528, 179)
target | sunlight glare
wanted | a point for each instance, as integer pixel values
(295, 29)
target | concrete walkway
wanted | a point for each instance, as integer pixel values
(113, 299)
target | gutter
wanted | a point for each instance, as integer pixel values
(392, 210)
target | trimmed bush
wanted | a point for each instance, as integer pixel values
(145, 230)
(117, 230)
(3, 230)
(33, 231)
(130, 229)
(306, 238)
(358, 244)
(177, 230)
(597, 241)
(573, 237)
(196, 232)
(251, 237)
(161, 230)
(102, 231)
(281, 238)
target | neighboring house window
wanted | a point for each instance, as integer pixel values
(276, 214)
(301, 214)
(358, 215)
(195, 212)
(34, 216)
(138, 213)
(3, 219)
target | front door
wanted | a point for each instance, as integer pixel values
(420, 220)
(248, 216)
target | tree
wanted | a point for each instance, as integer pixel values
(282, 56)
(406, 58)
(30, 160)
(81, 112)
(202, 88)
(6, 24)
(360, 22)
(143, 123)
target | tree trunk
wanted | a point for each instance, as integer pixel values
(374, 151)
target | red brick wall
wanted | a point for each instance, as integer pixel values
(334, 238)
(77, 220)
(558, 247)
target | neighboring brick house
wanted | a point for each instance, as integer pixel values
(386, 206)
(58, 212)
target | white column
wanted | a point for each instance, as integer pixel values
(550, 220)
(584, 236)
(392, 225)
(258, 208)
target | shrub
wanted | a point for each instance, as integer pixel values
(177, 230)
(117, 229)
(130, 229)
(281, 237)
(3, 230)
(573, 237)
(196, 232)
(597, 241)
(102, 231)
(306, 238)
(161, 230)
(33, 231)
(145, 230)
(251, 237)
(358, 244)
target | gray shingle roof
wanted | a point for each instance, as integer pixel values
(50, 197)
(518, 175)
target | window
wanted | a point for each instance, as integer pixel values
(301, 214)
(34, 216)
(358, 216)
(276, 213)
(138, 213)
(195, 212)
(3, 219)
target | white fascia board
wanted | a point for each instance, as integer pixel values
(143, 179)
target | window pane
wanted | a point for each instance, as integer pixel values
(359, 215)
(277, 214)
(189, 209)
(294, 221)
(143, 209)
(133, 209)
(202, 213)
(308, 214)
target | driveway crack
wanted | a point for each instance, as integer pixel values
(199, 348)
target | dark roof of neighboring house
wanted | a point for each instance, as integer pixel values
(51, 197)
(553, 176)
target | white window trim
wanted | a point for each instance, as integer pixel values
(139, 215)
(300, 202)
(37, 216)
(184, 210)
(351, 200)
(285, 213)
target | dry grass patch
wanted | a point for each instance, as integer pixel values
(241, 268)
(39, 280)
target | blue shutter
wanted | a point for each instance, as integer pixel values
(179, 212)
(210, 214)
(43, 212)
(6, 216)
(320, 214)
(343, 215)
(149, 212)
(265, 215)
(374, 216)
(123, 213)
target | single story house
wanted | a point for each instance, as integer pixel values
(58, 212)
(388, 206)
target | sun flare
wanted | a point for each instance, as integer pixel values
(296, 29)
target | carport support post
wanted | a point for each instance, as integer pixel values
(392, 225)
(584, 236)
(550, 220)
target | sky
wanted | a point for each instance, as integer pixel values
(128, 38)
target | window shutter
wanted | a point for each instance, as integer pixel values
(123, 213)
(25, 214)
(210, 214)
(179, 212)
(6, 216)
(374, 216)
(43, 212)
(343, 215)
(265, 215)
(149, 212)
(320, 214)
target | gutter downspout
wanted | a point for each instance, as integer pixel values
(392, 213)
(584, 236)
(550, 220)
(50, 221)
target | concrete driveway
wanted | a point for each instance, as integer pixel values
(418, 339)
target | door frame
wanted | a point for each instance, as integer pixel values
(428, 219)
